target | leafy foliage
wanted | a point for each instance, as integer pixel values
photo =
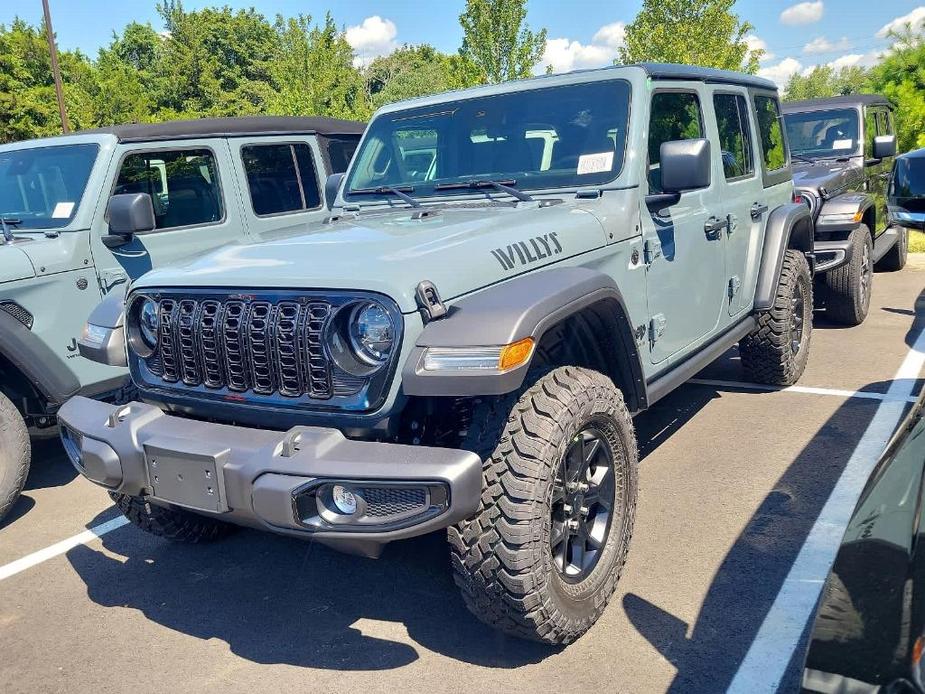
(497, 39)
(692, 32)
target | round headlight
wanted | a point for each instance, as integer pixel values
(148, 323)
(372, 333)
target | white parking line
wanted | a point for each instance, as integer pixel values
(767, 658)
(861, 394)
(58, 548)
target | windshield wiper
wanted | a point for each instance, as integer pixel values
(500, 186)
(801, 157)
(5, 225)
(398, 192)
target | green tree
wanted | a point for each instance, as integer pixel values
(692, 32)
(312, 72)
(497, 40)
(824, 81)
(900, 76)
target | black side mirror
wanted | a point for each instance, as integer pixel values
(884, 146)
(128, 214)
(685, 165)
(331, 187)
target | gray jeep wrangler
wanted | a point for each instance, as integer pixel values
(509, 274)
(843, 149)
(82, 214)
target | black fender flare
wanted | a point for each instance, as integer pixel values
(526, 306)
(789, 226)
(48, 373)
(846, 203)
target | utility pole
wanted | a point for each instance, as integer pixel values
(55, 70)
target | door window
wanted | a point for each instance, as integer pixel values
(774, 150)
(183, 185)
(281, 178)
(735, 139)
(675, 116)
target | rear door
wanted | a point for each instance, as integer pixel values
(879, 176)
(193, 190)
(686, 276)
(742, 193)
(282, 183)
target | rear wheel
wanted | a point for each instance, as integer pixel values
(895, 258)
(543, 554)
(15, 454)
(776, 351)
(171, 523)
(847, 288)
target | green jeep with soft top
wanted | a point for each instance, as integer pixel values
(508, 275)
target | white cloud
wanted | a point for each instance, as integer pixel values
(780, 73)
(844, 61)
(564, 54)
(821, 44)
(758, 44)
(916, 18)
(375, 36)
(802, 13)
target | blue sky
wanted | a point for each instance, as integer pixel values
(582, 33)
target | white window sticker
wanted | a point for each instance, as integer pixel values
(595, 163)
(843, 144)
(62, 210)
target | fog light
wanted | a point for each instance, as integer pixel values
(344, 500)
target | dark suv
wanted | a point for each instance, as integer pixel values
(907, 191)
(843, 149)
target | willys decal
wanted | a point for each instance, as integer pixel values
(529, 251)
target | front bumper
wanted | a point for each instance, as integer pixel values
(277, 481)
(910, 220)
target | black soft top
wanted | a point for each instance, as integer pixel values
(829, 102)
(232, 127)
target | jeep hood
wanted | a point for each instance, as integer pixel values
(14, 264)
(390, 251)
(828, 174)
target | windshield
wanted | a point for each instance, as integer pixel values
(909, 178)
(823, 133)
(545, 138)
(41, 187)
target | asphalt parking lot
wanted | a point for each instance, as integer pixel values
(733, 482)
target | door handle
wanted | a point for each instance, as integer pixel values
(714, 226)
(758, 210)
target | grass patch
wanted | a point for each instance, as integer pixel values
(916, 241)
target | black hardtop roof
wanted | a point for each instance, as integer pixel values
(232, 127)
(674, 71)
(828, 102)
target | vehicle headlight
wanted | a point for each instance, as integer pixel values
(148, 323)
(372, 333)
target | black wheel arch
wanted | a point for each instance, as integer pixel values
(789, 226)
(568, 311)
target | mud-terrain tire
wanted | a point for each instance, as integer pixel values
(895, 258)
(503, 556)
(173, 524)
(847, 288)
(15, 454)
(775, 352)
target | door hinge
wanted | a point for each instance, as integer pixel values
(110, 278)
(651, 250)
(734, 284)
(657, 327)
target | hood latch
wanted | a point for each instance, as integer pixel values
(429, 302)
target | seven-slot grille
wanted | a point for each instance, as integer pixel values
(260, 346)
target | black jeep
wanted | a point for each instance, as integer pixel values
(843, 149)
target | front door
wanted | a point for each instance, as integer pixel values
(684, 242)
(193, 192)
(742, 192)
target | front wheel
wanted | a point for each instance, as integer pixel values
(543, 554)
(775, 352)
(15, 454)
(847, 288)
